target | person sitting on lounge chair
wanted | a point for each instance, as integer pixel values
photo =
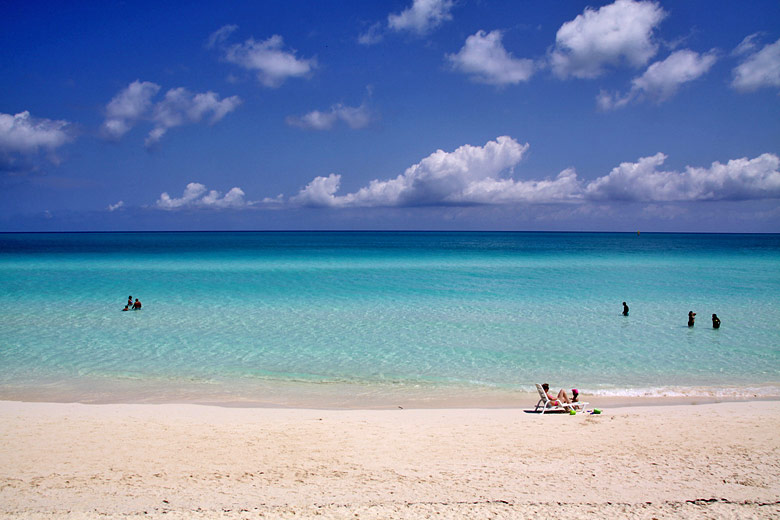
(562, 397)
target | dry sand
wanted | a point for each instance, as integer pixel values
(189, 461)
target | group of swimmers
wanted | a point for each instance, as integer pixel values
(563, 397)
(132, 306)
(691, 317)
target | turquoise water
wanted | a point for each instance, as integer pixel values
(365, 318)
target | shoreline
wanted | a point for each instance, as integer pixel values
(185, 460)
(335, 402)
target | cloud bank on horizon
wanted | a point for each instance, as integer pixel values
(198, 196)
(481, 175)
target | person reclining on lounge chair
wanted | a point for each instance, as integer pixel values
(560, 399)
(561, 402)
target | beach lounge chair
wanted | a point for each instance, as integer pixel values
(546, 404)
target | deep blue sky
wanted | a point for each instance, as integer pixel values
(432, 114)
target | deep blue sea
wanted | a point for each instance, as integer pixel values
(379, 318)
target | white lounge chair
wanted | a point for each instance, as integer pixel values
(546, 404)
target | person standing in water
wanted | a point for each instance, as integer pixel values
(625, 309)
(715, 321)
(691, 318)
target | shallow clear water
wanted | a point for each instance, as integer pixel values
(354, 317)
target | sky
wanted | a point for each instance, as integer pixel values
(390, 115)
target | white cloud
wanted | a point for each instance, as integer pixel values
(622, 31)
(219, 36)
(272, 64)
(179, 106)
(747, 45)
(662, 79)
(473, 175)
(196, 195)
(439, 179)
(481, 175)
(422, 16)
(114, 207)
(129, 106)
(22, 133)
(609, 101)
(485, 59)
(565, 187)
(738, 179)
(315, 120)
(354, 117)
(760, 69)
(374, 34)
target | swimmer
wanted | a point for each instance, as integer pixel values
(127, 308)
(715, 321)
(136, 305)
(129, 301)
(625, 309)
(691, 318)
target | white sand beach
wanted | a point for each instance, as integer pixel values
(188, 461)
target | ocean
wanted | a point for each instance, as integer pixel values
(373, 319)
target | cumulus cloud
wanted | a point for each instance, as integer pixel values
(481, 175)
(662, 79)
(22, 133)
(565, 187)
(114, 207)
(129, 106)
(616, 33)
(196, 195)
(485, 59)
(439, 179)
(738, 179)
(267, 59)
(759, 69)
(354, 117)
(179, 106)
(422, 16)
(22, 136)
